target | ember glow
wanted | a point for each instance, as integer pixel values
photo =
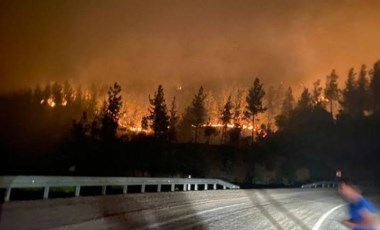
(134, 109)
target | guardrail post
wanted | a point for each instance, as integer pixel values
(7, 194)
(77, 191)
(46, 192)
(45, 183)
(142, 188)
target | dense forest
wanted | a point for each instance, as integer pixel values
(259, 135)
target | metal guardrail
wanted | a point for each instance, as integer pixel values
(334, 184)
(46, 182)
(321, 184)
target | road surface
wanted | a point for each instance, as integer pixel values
(304, 209)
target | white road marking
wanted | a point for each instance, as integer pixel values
(324, 216)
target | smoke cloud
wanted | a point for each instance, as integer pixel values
(215, 43)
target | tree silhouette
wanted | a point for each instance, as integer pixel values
(198, 111)
(288, 103)
(92, 102)
(279, 97)
(255, 103)
(305, 102)
(238, 110)
(47, 91)
(159, 114)
(185, 125)
(226, 117)
(349, 96)
(363, 95)
(145, 123)
(173, 120)
(79, 98)
(56, 89)
(375, 87)
(81, 129)
(270, 104)
(286, 108)
(110, 113)
(302, 114)
(67, 92)
(331, 90)
(316, 94)
(237, 116)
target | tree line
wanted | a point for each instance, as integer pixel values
(325, 129)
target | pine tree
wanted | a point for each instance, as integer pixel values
(79, 98)
(363, 95)
(288, 103)
(316, 94)
(185, 125)
(56, 89)
(67, 92)
(81, 129)
(270, 104)
(92, 102)
(173, 120)
(255, 103)
(238, 111)
(331, 90)
(235, 132)
(145, 123)
(305, 102)
(110, 113)
(279, 97)
(198, 111)
(286, 109)
(47, 91)
(349, 95)
(375, 87)
(226, 117)
(159, 114)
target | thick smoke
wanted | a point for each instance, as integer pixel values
(215, 43)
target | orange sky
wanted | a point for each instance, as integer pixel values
(186, 42)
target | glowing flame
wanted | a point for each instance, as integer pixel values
(64, 102)
(50, 101)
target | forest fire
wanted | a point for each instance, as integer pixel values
(281, 94)
(132, 112)
(50, 102)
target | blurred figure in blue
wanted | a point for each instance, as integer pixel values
(361, 211)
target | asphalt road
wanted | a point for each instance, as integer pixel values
(304, 209)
